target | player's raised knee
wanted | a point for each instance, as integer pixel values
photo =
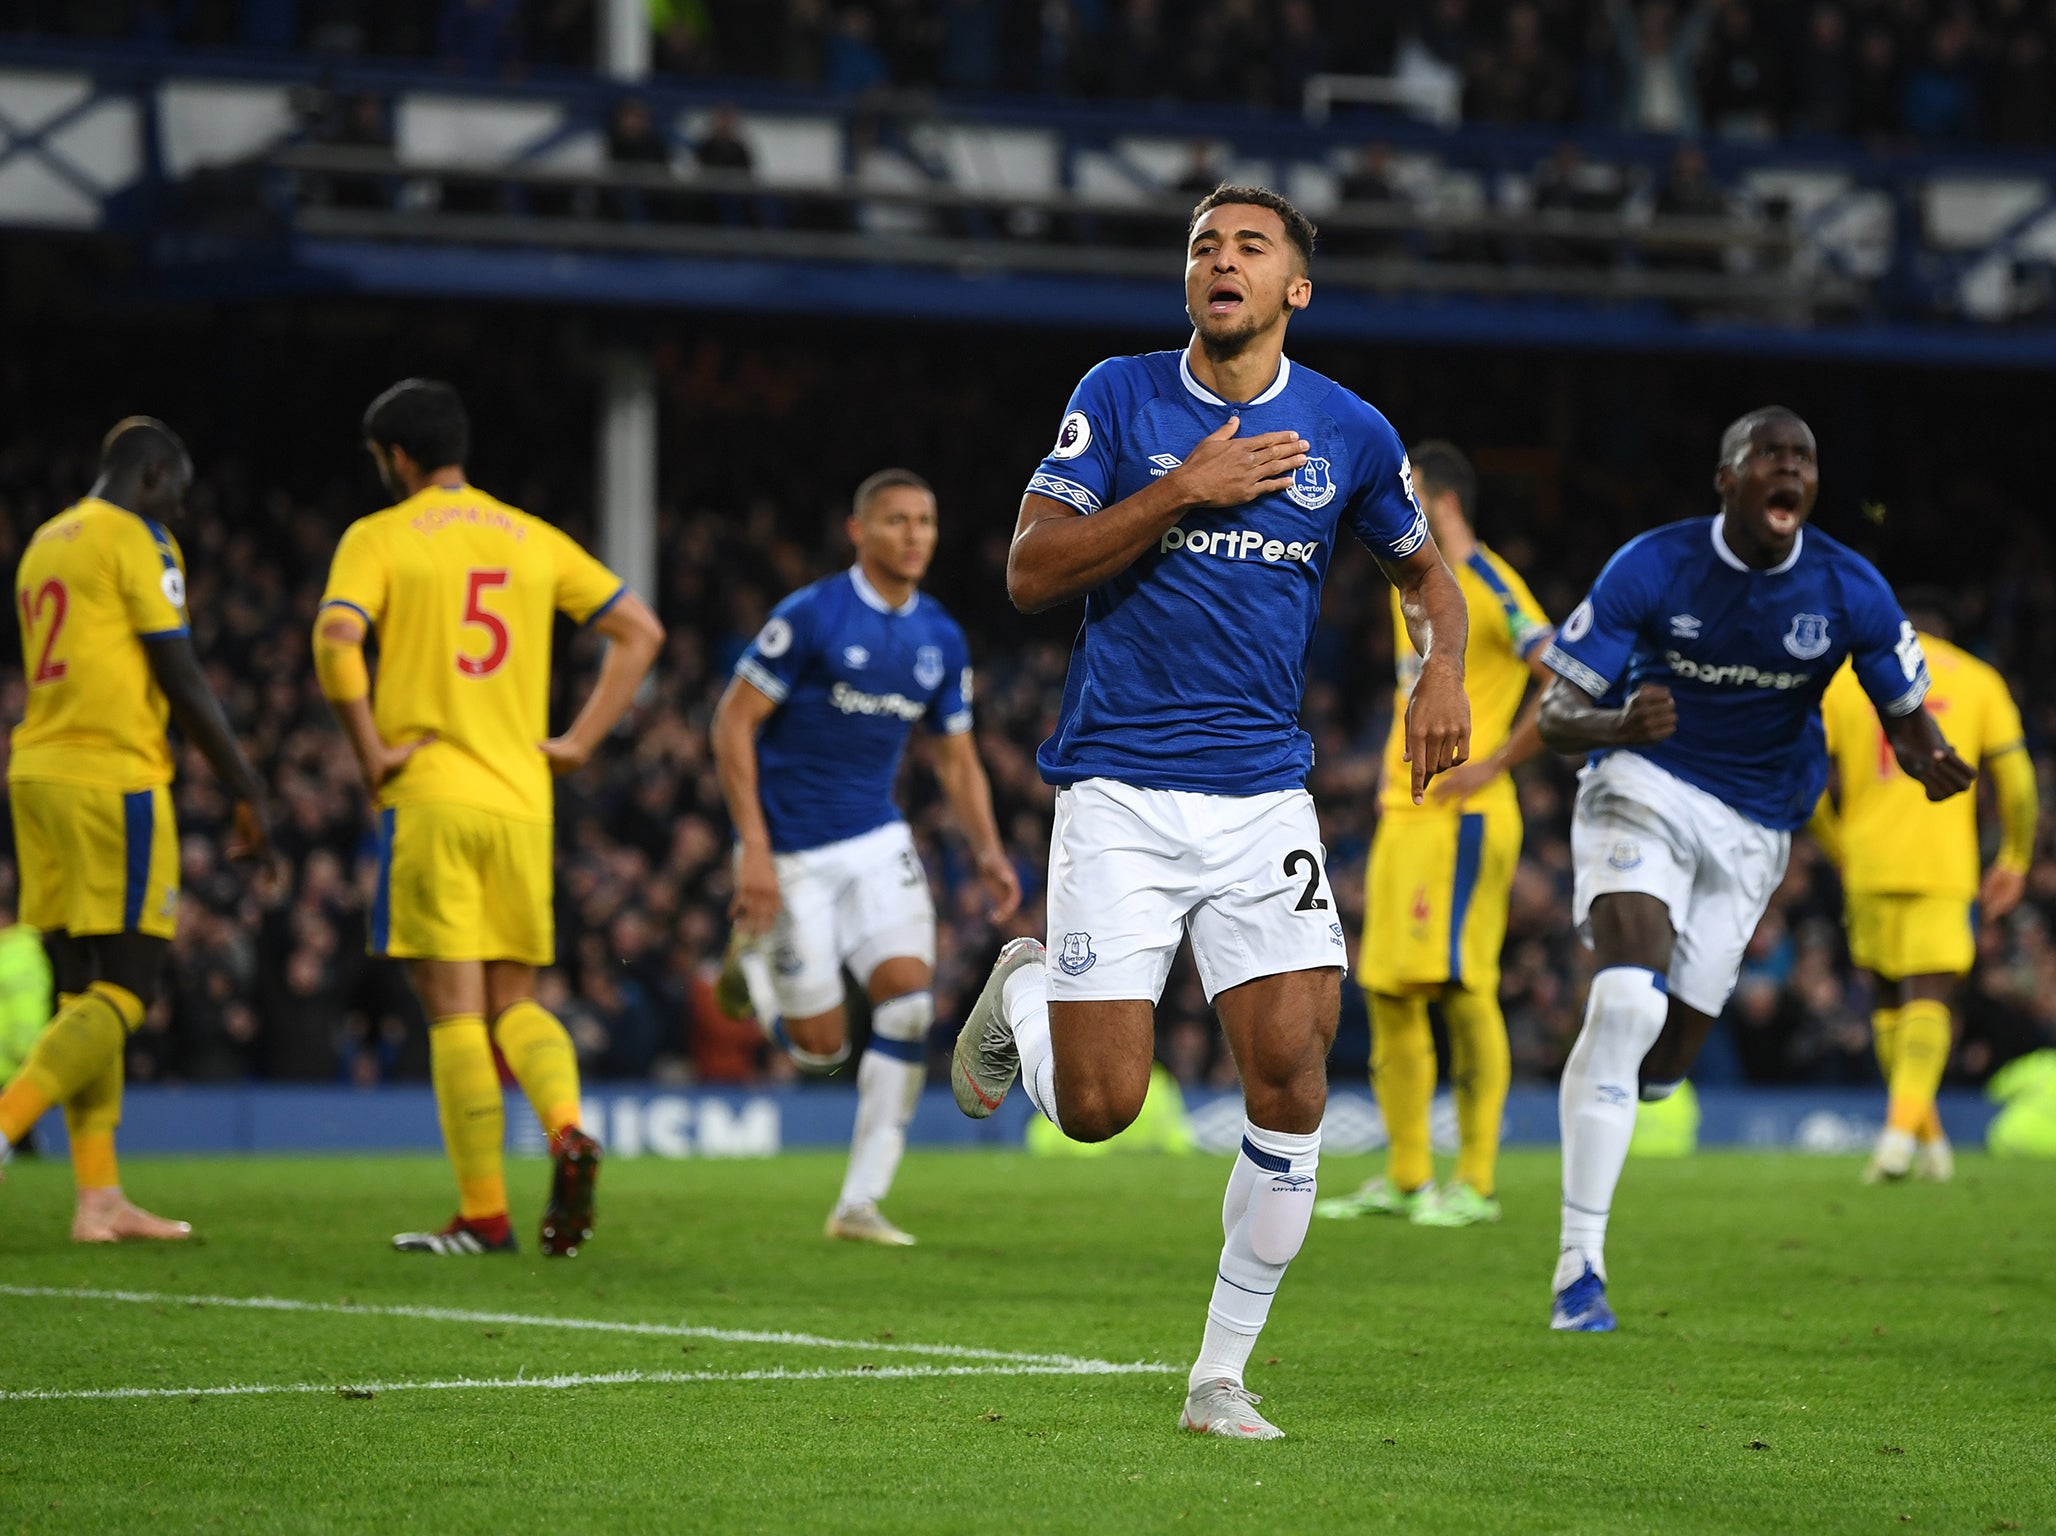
(1098, 1111)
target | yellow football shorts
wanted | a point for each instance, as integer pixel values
(1436, 895)
(95, 860)
(1898, 934)
(458, 883)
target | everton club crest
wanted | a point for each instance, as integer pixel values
(1312, 487)
(1808, 637)
(1077, 957)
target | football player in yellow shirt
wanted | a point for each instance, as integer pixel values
(460, 593)
(1440, 877)
(101, 596)
(1912, 896)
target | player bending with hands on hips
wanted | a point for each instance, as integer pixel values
(808, 740)
(1693, 675)
(454, 746)
(1193, 499)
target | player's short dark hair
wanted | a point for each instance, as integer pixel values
(1299, 229)
(1742, 428)
(426, 418)
(139, 442)
(1441, 465)
(885, 480)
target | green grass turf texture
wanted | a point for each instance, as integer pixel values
(1797, 1354)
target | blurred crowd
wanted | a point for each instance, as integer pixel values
(1927, 71)
(269, 978)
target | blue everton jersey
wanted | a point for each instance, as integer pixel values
(850, 676)
(1188, 671)
(1745, 653)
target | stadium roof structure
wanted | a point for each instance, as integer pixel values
(229, 178)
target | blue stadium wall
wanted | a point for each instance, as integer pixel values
(639, 1120)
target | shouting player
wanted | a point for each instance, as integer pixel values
(1440, 877)
(102, 597)
(1193, 499)
(461, 592)
(1693, 675)
(808, 739)
(1912, 898)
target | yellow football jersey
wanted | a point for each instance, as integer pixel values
(1506, 626)
(95, 582)
(461, 592)
(1893, 837)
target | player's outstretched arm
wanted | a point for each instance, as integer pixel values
(1925, 755)
(969, 793)
(1438, 712)
(737, 718)
(634, 637)
(199, 715)
(1572, 721)
(1059, 553)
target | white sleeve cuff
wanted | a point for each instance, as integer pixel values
(1564, 664)
(761, 678)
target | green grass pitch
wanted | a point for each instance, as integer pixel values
(1797, 1354)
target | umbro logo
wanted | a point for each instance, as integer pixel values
(1164, 463)
(1685, 626)
(856, 655)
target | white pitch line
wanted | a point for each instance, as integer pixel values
(593, 1379)
(1064, 1364)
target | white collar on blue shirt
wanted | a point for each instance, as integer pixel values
(872, 599)
(1729, 557)
(1276, 388)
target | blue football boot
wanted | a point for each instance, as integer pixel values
(1580, 1307)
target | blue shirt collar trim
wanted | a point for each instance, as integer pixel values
(1271, 392)
(1729, 557)
(871, 597)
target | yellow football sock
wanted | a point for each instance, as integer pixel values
(90, 1118)
(467, 1101)
(74, 1048)
(1403, 1077)
(1480, 1066)
(1884, 1039)
(1921, 1056)
(540, 1055)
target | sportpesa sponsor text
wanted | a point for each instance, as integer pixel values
(1234, 544)
(854, 701)
(1742, 676)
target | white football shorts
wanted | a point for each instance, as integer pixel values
(859, 902)
(1638, 828)
(1133, 871)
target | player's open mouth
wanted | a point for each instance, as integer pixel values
(1223, 301)
(1783, 505)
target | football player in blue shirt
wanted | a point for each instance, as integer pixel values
(808, 740)
(1693, 675)
(1193, 499)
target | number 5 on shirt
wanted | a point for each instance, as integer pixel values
(475, 612)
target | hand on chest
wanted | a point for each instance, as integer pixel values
(1284, 527)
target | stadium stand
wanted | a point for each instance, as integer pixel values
(1694, 204)
(270, 980)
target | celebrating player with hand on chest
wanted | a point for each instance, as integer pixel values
(1193, 499)
(1693, 675)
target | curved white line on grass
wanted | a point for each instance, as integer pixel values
(1071, 1364)
(591, 1379)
